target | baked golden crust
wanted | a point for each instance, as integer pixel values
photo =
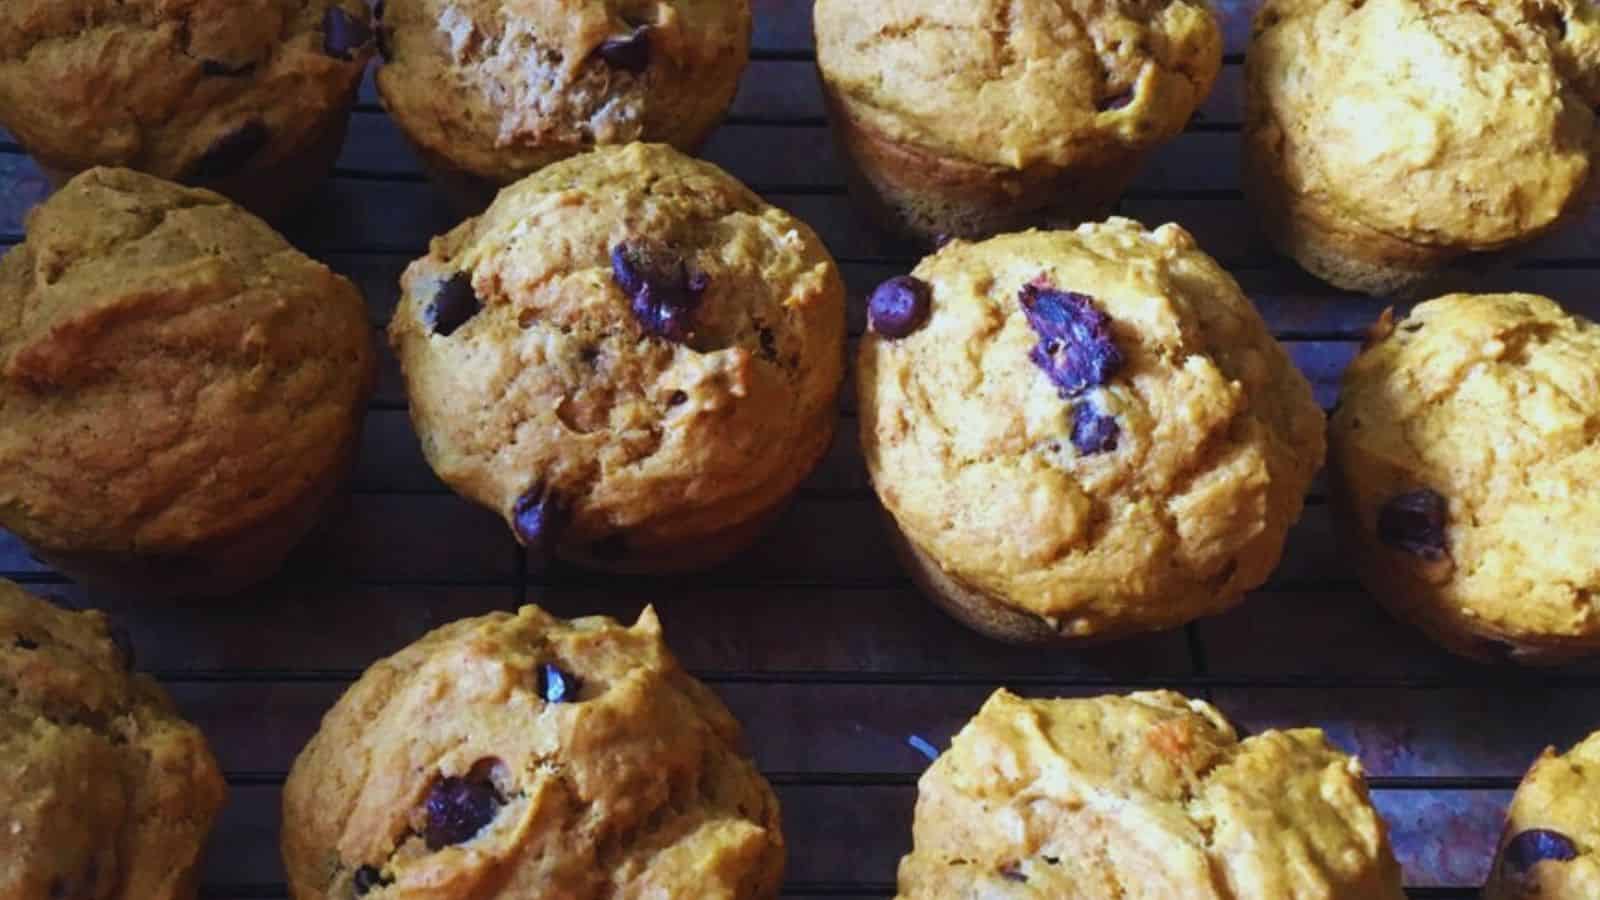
(1551, 846)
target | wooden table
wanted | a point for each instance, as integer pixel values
(814, 637)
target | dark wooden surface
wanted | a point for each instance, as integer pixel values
(814, 637)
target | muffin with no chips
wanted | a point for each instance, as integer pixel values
(107, 793)
(1464, 452)
(527, 756)
(1148, 795)
(1386, 138)
(1551, 846)
(629, 356)
(248, 97)
(1082, 434)
(491, 90)
(970, 117)
(180, 390)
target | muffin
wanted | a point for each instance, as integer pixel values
(969, 117)
(180, 390)
(107, 793)
(527, 756)
(1147, 795)
(1462, 463)
(488, 91)
(1386, 138)
(1551, 846)
(1082, 434)
(247, 97)
(630, 357)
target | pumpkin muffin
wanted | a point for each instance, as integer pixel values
(1147, 795)
(488, 91)
(630, 357)
(522, 755)
(180, 390)
(247, 97)
(1080, 435)
(969, 117)
(1386, 138)
(106, 792)
(1551, 846)
(1463, 458)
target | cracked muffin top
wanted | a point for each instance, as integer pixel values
(1438, 122)
(627, 341)
(1020, 84)
(499, 88)
(1551, 846)
(186, 90)
(1144, 795)
(524, 755)
(107, 794)
(171, 370)
(1093, 426)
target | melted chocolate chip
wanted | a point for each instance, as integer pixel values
(899, 306)
(557, 686)
(453, 304)
(664, 292)
(1092, 431)
(1538, 845)
(219, 69)
(1075, 346)
(459, 808)
(538, 519)
(229, 154)
(343, 34)
(369, 877)
(630, 54)
(1013, 872)
(23, 642)
(1415, 522)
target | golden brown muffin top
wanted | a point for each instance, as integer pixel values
(522, 755)
(500, 88)
(1040, 82)
(1440, 122)
(1145, 478)
(108, 795)
(1144, 795)
(171, 370)
(184, 89)
(1551, 846)
(1465, 441)
(534, 372)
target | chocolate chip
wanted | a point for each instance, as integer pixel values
(1092, 431)
(1538, 845)
(677, 398)
(663, 290)
(229, 154)
(453, 304)
(899, 306)
(124, 644)
(459, 808)
(1415, 522)
(219, 69)
(23, 642)
(343, 34)
(630, 54)
(1013, 872)
(1115, 102)
(369, 877)
(556, 686)
(1075, 346)
(769, 344)
(538, 518)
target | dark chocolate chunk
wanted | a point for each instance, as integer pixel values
(124, 644)
(538, 519)
(664, 292)
(630, 54)
(1075, 346)
(219, 69)
(23, 642)
(1013, 872)
(459, 808)
(369, 877)
(557, 686)
(1092, 431)
(229, 154)
(1415, 522)
(453, 304)
(1537, 845)
(343, 34)
(899, 306)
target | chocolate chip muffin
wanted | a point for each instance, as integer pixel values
(971, 117)
(1082, 434)
(106, 792)
(489, 91)
(180, 390)
(1462, 462)
(629, 356)
(1147, 795)
(527, 756)
(1386, 138)
(1551, 846)
(248, 97)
